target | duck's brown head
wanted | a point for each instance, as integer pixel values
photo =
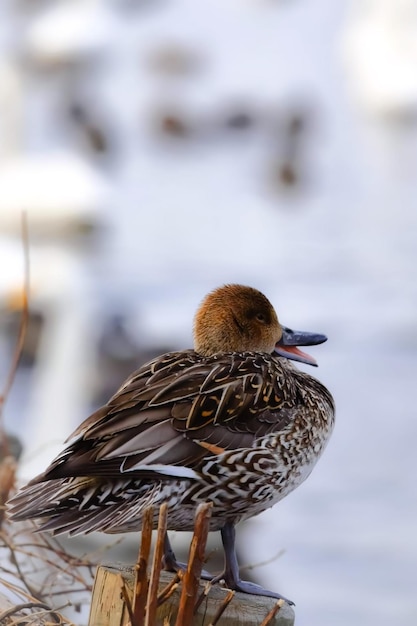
(235, 318)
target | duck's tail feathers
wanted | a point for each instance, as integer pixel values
(83, 504)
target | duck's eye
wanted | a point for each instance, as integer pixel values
(261, 317)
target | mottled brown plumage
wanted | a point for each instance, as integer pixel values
(230, 422)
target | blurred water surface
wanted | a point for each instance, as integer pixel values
(336, 254)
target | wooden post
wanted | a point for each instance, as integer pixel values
(134, 597)
(108, 608)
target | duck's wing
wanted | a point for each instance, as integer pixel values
(176, 410)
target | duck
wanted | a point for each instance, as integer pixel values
(232, 421)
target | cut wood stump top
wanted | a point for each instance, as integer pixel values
(108, 607)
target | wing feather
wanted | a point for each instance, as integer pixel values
(176, 410)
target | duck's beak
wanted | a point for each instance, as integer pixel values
(287, 345)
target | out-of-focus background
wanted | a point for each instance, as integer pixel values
(163, 148)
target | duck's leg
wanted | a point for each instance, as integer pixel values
(169, 560)
(170, 563)
(231, 570)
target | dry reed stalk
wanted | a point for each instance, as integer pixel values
(152, 600)
(167, 592)
(7, 479)
(4, 445)
(140, 592)
(191, 579)
(268, 619)
(223, 606)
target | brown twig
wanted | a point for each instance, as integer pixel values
(19, 591)
(23, 326)
(69, 568)
(250, 566)
(268, 619)
(191, 578)
(227, 600)
(26, 562)
(24, 605)
(152, 600)
(39, 618)
(14, 560)
(7, 478)
(140, 590)
(203, 595)
(169, 589)
(126, 598)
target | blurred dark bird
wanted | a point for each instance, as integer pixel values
(172, 123)
(288, 164)
(94, 134)
(240, 120)
(232, 422)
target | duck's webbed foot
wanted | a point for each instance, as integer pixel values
(231, 571)
(245, 586)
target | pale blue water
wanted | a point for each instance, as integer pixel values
(338, 257)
